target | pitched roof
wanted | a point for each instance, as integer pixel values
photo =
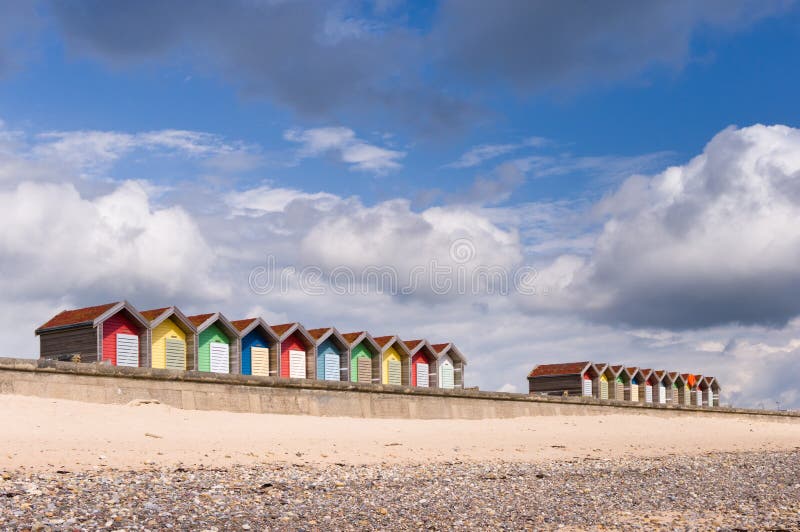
(243, 324)
(383, 340)
(547, 370)
(673, 375)
(352, 336)
(617, 369)
(319, 333)
(440, 347)
(77, 316)
(411, 344)
(199, 319)
(283, 327)
(631, 371)
(152, 314)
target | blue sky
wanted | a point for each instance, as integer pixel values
(539, 131)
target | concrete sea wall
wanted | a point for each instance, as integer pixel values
(99, 383)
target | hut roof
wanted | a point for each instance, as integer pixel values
(283, 327)
(243, 324)
(382, 341)
(617, 369)
(152, 314)
(78, 316)
(199, 319)
(320, 332)
(352, 337)
(411, 344)
(569, 368)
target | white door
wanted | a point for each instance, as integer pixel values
(331, 367)
(648, 393)
(259, 361)
(395, 369)
(176, 354)
(446, 375)
(128, 350)
(297, 364)
(662, 394)
(587, 387)
(422, 375)
(699, 395)
(220, 357)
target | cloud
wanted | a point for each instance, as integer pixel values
(544, 45)
(484, 152)
(711, 242)
(342, 141)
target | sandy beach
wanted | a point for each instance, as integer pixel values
(79, 466)
(46, 433)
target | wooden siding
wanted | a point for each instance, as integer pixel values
(212, 333)
(389, 355)
(67, 342)
(358, 352)
(421, 358)
(119, 323)
(166, 329)
(556, 384)
(295, 343)
(329, 347)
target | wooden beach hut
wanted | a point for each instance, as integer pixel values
(697, 392)
(712, 391)
(663, 387)
(365, 357)
(687, 383)
(298, 352)
(631, 383)
(259, 346)
(217, 343)
(645, 385)
(449, 356)
(571, 378)
(172, 339)
(600, 381)
(115, 333)
(423, 363)
(607, 382)
(333, 354)
(620, 378)
(395, 361)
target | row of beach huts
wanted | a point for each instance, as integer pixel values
(624, 383)
(120, 335)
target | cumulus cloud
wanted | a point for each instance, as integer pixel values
(711, 242)
(342, 141)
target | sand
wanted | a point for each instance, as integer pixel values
(44, 433)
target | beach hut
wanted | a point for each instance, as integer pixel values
(115, 333)
(607, 382)
(333, 354)
(631, 383)
(620, 378)
(600, 381)
(448, 356)
(172, 339)
(571, 378)
(298, 348)
(217, 343)
(423, 363)
(645, 385)
(259, 346)
(685, 391)
(395, 361)
(714, 388)
(696, 395)
(365, 357)
(663, 387)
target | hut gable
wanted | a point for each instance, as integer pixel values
(259, 347)
(217, 344)
(333, 353)
(365, 357)
(172, 338)
(298, 351)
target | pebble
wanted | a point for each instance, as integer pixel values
(722, 491)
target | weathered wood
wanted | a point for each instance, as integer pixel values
(80, 340)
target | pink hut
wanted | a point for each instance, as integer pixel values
(115, 333)
(423, 363)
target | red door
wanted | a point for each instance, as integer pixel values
(119, 323)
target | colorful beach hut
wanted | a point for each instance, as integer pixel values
(608, 381)
(663, 387)
(631, 384)
(172, 339)
(115, 333)
(297, 360)
(365, 357)
(687, 383)
(217, 343)
(645, 385)
(423, 363)
(395, 361)
(696, 395)
(333, 354)
(259, 346)
(620, 378)
(571, 378)
(712, 391)
(600, 381)
(448, 356)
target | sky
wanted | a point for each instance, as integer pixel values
(534, 181)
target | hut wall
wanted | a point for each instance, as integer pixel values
(67, 342)
(167, 329)
(212, 333)
(120, 323)
(255, 338)
(360, 352)
(556, 384)
(326, 371)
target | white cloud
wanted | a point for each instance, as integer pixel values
(267, 199)
(358, 154)
(484, 152)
